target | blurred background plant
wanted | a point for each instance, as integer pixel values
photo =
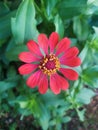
(22, 20)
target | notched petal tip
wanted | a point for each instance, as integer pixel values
(63, 45)
(34, 48)
(53, 40)
(43, 42)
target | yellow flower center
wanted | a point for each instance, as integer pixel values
(50, 64)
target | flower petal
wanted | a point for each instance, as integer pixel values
(27, 68)
(69, 73)
(57, 83)
(27, 57)
(71, 52)
(33, 80)
(34, 48)
(43, 42)
(54, 84)
(72, 62)
(53, 40)
(43, 84)
(63, 45)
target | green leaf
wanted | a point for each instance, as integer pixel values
(4, 85)
(66, 119)
(3, 9)
(81, 114)
(22, 101)
(11, 72)
(9, 83)
(24, 112)
(45, 116)
(92, 8)
(24, 25)
(81, 28)
(94, 44)
(23, 104)
(2, 42)
(5, 25)
(96, 30)
(90, 76)
(83, 53)
(70, 8)
(84, 96)
(52, 99)
(95, 2)
(50, 4)
(12, 53)
(40, 111)
(59, 26)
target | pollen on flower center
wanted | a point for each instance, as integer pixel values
(50, 64)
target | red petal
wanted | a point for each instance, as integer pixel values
(27, 57)
(54, 84)
(53, 40)
(69, 74)
(33, 80)
(43, 84)
(43, 42)
(71, 52)
(72, 62)
(27, 68)
(63, 45)
(33, 47)
(57, 83)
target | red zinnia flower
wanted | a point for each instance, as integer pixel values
(45, 62)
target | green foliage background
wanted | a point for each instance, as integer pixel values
(21, 21)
